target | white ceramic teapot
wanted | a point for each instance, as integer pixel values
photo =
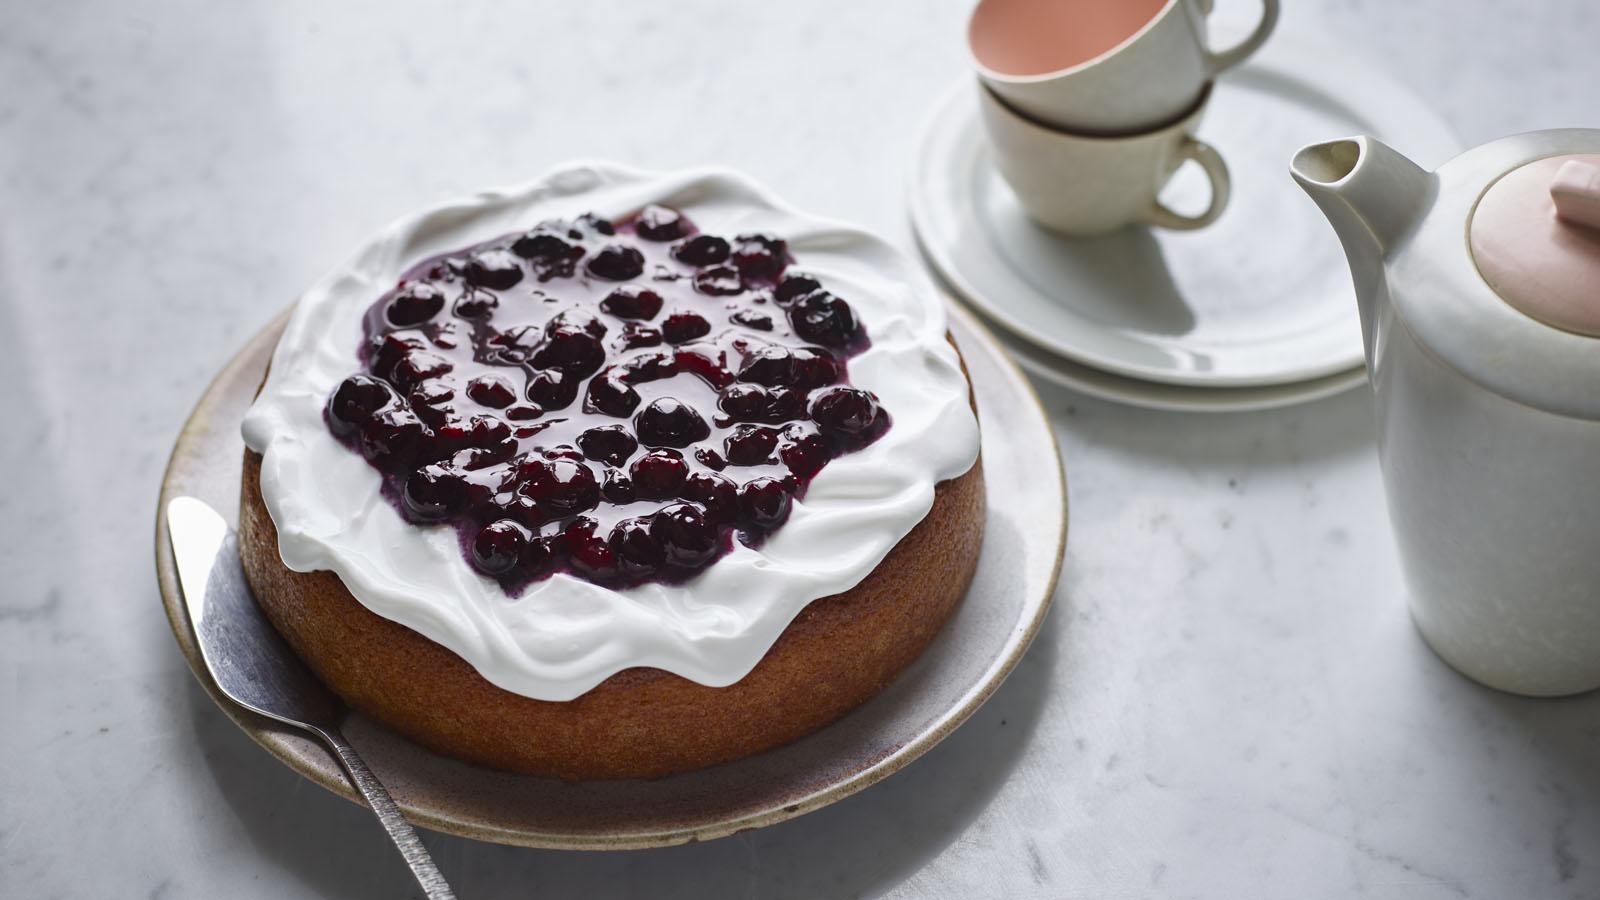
(1479, 287)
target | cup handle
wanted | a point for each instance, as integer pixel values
(1221, 186)
(1238, 53)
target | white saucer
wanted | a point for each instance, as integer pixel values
(1262, 297)
(1172, 397)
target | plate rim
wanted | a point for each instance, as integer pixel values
(270, 736)
(1442, 138)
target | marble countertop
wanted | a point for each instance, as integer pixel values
(1228, 700)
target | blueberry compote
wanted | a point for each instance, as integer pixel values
(619, 401)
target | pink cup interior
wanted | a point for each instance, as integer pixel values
(1036, 37)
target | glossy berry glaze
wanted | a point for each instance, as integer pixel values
(616, 401)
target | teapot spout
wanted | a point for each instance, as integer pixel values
(1372, 196)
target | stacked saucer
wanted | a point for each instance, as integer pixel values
(1254, 311)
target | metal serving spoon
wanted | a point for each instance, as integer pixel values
(257, 670)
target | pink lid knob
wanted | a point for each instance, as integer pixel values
(1536, 238)
(1576, 193)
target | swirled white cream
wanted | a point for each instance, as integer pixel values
(564, 635)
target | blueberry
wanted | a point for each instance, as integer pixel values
(805, 455)
(610, 395)
(496, 269)
(431, 402)
(499, 545)
(416, 303)
(666, 422)
(561, 487)
(541, 553)
(388, 350)
(589, 553)
(814, 368)
(553, 389)
(680, 328)
(636, 551)
(616, 262)
(581, 320)
(764, 502)
(632, 302)
(772, 366)
(794, 287)
(701, 250)
(759, 255)
(719, 281)
(540, 244)
(570, 347)
(750, 445)
(683, 534)
(611, 444)
(487, 432)
(716, 494)
(492, 391)
(476, 304)
(744, 402)
(658, 223)
(355, 400)
(512, 505)
(391, 438)
(844, 411)
(821, 318)
(434, 492)
(787, 404)
(658, 475)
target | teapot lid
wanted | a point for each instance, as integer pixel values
(1535, 236)
(1497, 327)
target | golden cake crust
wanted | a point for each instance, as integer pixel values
(641, 722)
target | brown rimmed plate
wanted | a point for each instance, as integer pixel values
(1026, 535)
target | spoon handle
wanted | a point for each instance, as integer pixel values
(400, 831)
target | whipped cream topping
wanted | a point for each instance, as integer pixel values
(564, 635)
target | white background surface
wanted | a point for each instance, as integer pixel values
(1228, 701)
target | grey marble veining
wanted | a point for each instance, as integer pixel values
(1228, 701)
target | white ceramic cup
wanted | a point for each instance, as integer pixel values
(1085, 185)
(1103, 66)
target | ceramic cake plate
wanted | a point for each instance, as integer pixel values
(1260, 300)
(978, 647)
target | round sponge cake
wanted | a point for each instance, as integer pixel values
(641, 722)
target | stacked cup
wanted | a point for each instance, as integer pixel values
(1092, 105)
